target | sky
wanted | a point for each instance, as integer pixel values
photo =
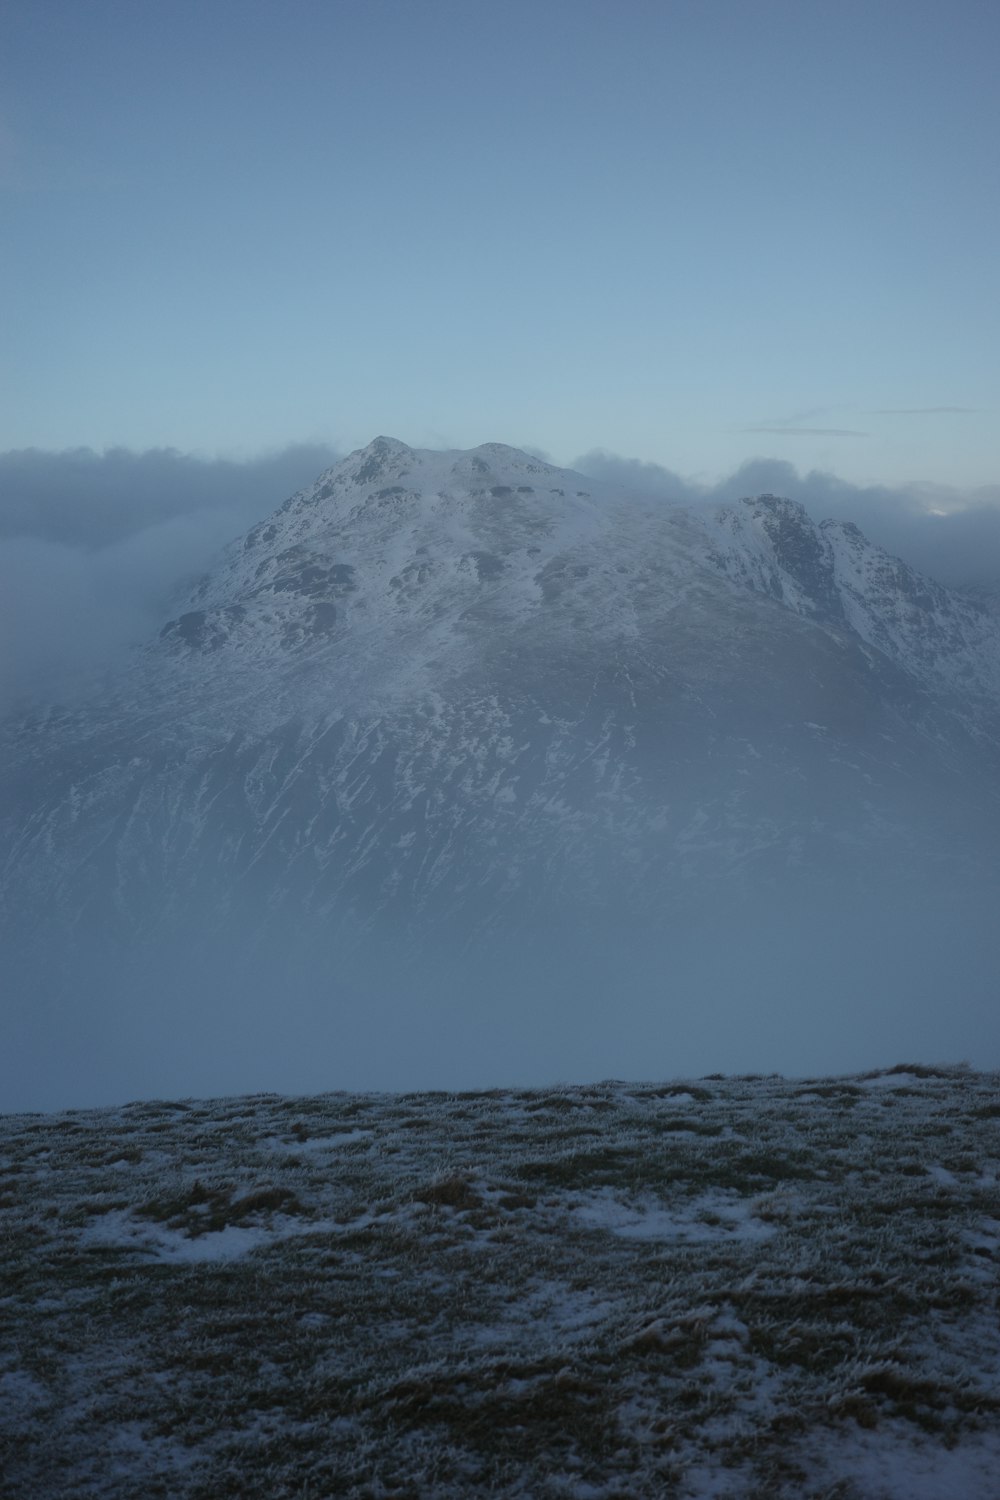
(692, 233)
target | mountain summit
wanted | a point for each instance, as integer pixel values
(457, 702)
(399, 547)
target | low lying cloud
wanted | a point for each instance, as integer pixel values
(95, 546)
(953, 535)
(85, 499)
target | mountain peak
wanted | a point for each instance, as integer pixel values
(505, 453)
(778, 507)
(381, 454)
(383, 445)
(771, 544)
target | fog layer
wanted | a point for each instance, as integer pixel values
(787, 983)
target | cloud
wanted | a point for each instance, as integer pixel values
(920, 411)
(94, 547)
(808, 431)
(951, 534)
(81, 498)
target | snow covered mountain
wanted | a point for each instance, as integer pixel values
(443, 695)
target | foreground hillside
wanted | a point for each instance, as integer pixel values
(736, 1287)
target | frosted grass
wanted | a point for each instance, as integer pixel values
(735, 1287)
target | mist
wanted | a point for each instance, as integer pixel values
(95, 547)
(793, 983)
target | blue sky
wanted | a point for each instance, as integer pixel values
(691, 232)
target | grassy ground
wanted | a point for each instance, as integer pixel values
(734, 1288)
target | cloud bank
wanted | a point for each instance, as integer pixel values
(94, 546)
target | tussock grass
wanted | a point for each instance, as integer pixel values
(738, 1287)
